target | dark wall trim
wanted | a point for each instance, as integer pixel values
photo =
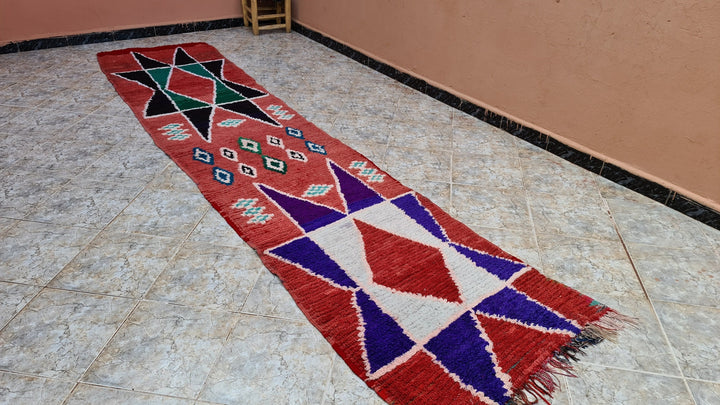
(611, 172)
(95, 37)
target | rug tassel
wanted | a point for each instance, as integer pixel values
(541, 385)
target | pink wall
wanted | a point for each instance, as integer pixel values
(634, 83)
(31, 19)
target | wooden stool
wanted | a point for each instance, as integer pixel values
(255, 11)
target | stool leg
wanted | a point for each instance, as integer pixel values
(254, 12)
(288, 16)
(246, 20)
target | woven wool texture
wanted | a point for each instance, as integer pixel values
(418, 305)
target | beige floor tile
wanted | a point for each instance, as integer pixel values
(692, 331)
(18, 389)
(214, 230)
(213, 277)
(162, 349)
(420, 135)
(163, 213)
(571, 215)
(655, 224)
(705, 393)
(270, 361)
(270, 298)
(345, 387)
(85, 394)
(136, 159)
(482, 139)
(24, 188)
(59, 333)
(486, 171)
(34, 253)
(518, 242)
(86, 202)
(598, 385)
(403, 164)
(489, 207)
(117, 264)
(13, 297)
(546, 173)
(679, 275)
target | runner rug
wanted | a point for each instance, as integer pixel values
(419, 306)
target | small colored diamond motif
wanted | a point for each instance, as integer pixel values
(245, 203)
(295, 133)
(203, 156)
(295, 155)
(229, 154)
(367, 172)
(317, 190)
(275, 165)
(376, 178)
(249, 145)
(283, 115)
(248, 204)
(357, 164)
(247, 170)
(230, 123)
(260, 219)
(275, 141)
(313, 147)
(223, 176)
(175, 132)
(252, 211)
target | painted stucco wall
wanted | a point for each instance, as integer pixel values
(32, 19)
(634, 83)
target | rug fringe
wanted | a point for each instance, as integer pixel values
(541, 385)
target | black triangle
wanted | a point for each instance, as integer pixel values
(248, 109)
(214, 67)
(247, 92)
(182, 58)
(141, 77)
(200, 119)
(159, 104)
(148, 63)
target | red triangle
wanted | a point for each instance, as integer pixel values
(405, 265)
(520, 350)
(192, 86)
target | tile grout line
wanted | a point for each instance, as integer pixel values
(650, 301)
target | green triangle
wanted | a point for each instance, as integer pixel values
(197, 69)
(185, 103)
(160, 75)
(224, 94)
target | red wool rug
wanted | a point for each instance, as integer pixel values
(418, 305)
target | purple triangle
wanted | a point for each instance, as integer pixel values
(307, 254)
(411, 206)
(515, 305)
(356, 194)
(308, 215)
(384, 339)
(463, 351)
(503, 268)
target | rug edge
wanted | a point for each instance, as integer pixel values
(544, 383)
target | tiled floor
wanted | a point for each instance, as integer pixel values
(119, 284)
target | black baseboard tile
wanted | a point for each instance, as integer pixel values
(93, 38)
(44, 43)
(609, 171)
(134, 33)
(120, 35)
